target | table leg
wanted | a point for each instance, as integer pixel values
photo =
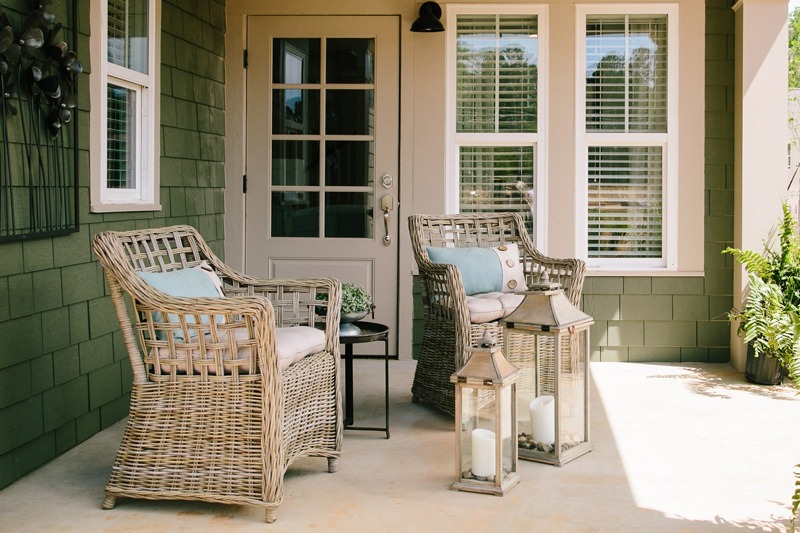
(348, 384)
(386, 384)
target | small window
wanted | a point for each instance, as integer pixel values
(125, 171)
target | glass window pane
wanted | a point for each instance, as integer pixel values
(348, 214)
(626, 73)
(349, 112)
(349, 163)
(295, 61)
(295, 214)
(295, 111)
(350, 61)
(497, 71)
(127, 34)
(121, 143)
(625, 201)
(496, 179)
(295, 162)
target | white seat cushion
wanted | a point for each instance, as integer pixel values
(291, 345)
(490, 306)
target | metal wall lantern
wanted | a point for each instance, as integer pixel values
(548, 339)
(428, 21)
(486, 422)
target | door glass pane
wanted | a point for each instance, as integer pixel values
(348, 214)
(295, 162)
(295, 214)
(348, 163)
(350, 61)
(121, 143)
(127, 34)
(349, 112)
(295, 61)
(295, 111)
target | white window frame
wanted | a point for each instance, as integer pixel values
(145, 197)
(456, 140)
(668, 141)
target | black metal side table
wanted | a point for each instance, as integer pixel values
(370, 332)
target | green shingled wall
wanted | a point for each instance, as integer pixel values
(64, 373)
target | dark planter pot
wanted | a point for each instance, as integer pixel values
(763, 370)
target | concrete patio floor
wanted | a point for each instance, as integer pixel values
(677, 447)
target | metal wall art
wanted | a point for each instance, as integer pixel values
(38, 136)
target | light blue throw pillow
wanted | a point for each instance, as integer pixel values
(187, 283)
(479, 267)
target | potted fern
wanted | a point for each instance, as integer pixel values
(770, 320)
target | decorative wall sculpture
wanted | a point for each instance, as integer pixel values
(38, 136)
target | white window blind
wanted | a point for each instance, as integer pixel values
(626, 73)
(121, 138)
(127, 34)
(489, 175)
(625, 201)
(497, 73)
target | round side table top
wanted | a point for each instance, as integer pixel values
(370, 331)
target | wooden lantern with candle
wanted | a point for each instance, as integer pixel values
(486, 421)
(547, 338)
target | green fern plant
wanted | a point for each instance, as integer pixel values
(770, 319)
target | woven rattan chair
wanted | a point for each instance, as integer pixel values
(448, 330)
(205, 424)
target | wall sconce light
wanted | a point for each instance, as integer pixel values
(428, 21)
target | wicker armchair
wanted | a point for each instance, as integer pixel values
(448, 330)
(214, 415)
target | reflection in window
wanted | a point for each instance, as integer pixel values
(295, 214)
(348, 214)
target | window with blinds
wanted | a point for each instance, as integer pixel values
(626, 141)
(126, 55)
(496, 109)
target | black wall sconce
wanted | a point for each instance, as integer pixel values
(428, 21)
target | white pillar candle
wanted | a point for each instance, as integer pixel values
(483, 452)
(543, 419)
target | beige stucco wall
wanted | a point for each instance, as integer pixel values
(423, 128)
(760, 147)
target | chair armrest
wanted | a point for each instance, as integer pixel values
(296, 302)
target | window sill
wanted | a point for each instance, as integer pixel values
(641, 272)
(124, 207)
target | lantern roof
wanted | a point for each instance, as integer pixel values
(486, 365)
(549, 309)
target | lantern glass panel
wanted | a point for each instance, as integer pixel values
(480, 414)
(572, 390)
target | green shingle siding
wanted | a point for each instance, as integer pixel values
(64, 373)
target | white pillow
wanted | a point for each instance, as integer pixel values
(513, 274)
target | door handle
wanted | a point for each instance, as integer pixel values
(387, 204)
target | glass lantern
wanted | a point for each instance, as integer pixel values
(486, 421)
(547, 338)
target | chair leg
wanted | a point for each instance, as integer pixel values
(109, 502)
(333, 464)
(270, 514)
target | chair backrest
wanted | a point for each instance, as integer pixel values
(152, 347)
(489, 230)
